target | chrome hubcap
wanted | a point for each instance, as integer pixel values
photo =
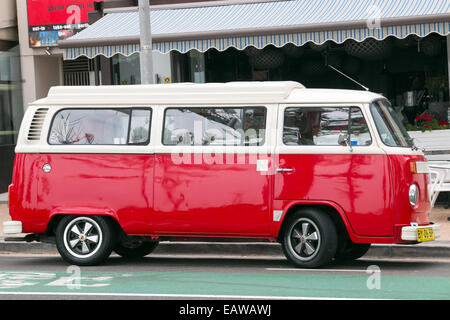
(82, 237)
(304, 239)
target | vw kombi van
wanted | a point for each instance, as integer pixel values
(326, 173)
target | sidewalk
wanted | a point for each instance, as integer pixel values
(439, 249)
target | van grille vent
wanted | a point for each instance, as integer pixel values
(34, 132)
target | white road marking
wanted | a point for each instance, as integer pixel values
(182, 296)
(316, 270)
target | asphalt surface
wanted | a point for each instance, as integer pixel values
(163, 277)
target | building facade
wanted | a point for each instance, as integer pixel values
(11, 104)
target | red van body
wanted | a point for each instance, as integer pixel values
(145, 193)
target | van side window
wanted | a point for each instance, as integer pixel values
(139, 126)
(101, 127)
(215, 126)
(390, 128)
(322, 126)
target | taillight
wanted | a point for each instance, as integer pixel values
(413, 195)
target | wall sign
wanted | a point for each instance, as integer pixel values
(53, 20)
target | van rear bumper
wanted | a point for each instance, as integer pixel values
(409, 233)
(11, 227)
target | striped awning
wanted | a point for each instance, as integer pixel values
(260, 23)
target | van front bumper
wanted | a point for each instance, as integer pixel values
(409, 233)
(11, 227)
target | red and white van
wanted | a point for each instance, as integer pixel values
(119, 168)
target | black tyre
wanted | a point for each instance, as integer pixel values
(85, 240)
(309, 239)
(352, 251)
(133, 249)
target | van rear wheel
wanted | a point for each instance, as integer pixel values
(133, 249)
(85, 240)
(310, 239)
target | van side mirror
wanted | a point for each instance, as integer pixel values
(344, 140)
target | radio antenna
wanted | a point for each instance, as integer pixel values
(340, 72)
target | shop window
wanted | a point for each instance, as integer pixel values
(11, 103)
(197, 66)
(100, 127)
(215, 126)
(126, 70)
(325, 126)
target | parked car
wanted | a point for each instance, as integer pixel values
(119, 168)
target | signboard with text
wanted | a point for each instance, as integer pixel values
(53, 20)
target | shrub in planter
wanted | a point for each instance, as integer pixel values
(426, 122)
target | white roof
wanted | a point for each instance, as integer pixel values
(332, 96)
(193, 93)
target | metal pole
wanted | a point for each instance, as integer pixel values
(146, 59)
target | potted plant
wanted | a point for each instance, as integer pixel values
(430, 133)
(426, 122)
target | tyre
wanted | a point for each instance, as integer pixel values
(85, 240)
(133, 249)
(309, 239)
(352, 251)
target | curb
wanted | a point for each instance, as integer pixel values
(438, 249)
(26, 247)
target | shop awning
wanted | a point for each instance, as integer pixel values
(241, 24)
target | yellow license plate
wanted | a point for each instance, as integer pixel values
(425, 234)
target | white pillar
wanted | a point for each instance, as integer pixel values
(448, 62)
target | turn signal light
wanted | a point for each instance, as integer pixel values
(413, 167)
(418, 167)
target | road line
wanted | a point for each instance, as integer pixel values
(182, 296)
(316, 270)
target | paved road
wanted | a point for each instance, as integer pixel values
(177, 277)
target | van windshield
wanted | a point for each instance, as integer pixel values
(390, 128)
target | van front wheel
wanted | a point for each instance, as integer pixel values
(310, 239)
(84, 240)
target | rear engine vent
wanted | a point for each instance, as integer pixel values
(34, 132)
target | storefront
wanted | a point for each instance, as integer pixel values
(11, 110)
(397, 48)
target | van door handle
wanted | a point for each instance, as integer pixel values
(285, 170)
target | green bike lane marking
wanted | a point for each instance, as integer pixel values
(208, 284)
